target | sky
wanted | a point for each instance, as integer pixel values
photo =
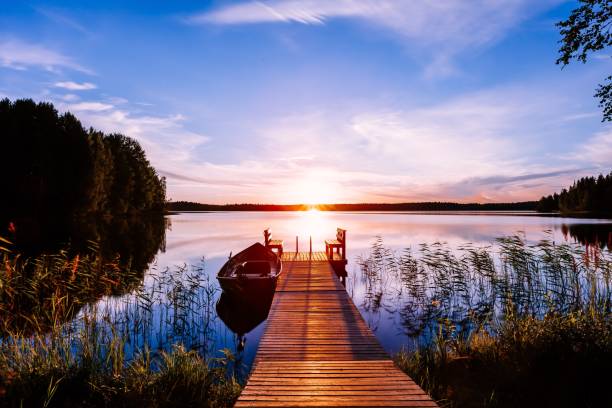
(319, 101)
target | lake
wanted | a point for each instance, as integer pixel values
(213, 236)
(174, 297)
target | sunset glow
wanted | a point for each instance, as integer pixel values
(309, 191)
(341, 102)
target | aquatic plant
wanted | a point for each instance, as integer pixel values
(66, 339)
(557, 360)
(514, 324)
(476, 287)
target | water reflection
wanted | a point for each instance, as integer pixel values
(155, 247)
(242, 313)
(599, 235)
(58, 272)
(473, 287)
(214, 235)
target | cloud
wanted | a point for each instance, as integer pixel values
(75, 86)
(441, 29)
(484, 146)
(167, 143)
(305, 12)
(481, 146)
(62, 19)
(91, 106)
(580, 116)
(503, 180)
(20, 55)
(597, 150)
(70, 97)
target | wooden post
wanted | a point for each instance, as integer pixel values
(296, 245)
(311, 245)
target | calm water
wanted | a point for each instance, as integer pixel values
(175, 297)
(213, 236)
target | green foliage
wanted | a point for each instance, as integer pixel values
(41, 374)
(38, 293)
(424, 206)
(587, 30)
(55, 169)
(476, 287)
(559, 360)
(587, 195)
(150, 347)
(548, 203)
(604, 93)
(524, 325)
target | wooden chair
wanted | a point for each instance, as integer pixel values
(339, 243)
(272, 243)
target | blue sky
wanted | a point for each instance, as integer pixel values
(321, 101)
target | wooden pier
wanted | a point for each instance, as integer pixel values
(318, 351)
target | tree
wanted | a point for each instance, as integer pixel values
(587, 195)
(587, 30)
(54, 170)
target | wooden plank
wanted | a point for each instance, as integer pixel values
(317, 350)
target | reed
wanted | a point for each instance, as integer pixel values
(557, 360)
(514, 324)
(81, 330)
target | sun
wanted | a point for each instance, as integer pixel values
(312, 192)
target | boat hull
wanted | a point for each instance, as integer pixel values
(232, 280)
(245, 286)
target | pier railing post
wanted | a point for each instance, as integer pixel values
(296, 245)
(310, 245)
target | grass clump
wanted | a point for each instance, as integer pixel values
(516, 324)
(558, 360)
(37, 375)
(81, 331)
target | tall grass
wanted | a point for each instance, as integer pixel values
(66, 339)
(515, 324)
(474, 287)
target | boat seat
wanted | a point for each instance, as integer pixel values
(259, 268)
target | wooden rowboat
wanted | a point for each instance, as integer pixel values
(253, 270)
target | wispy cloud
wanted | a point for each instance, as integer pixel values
(305, 12)
(21, 55)
(476, 147)
(441, 28)
(168, 144)
(70, 97)
(597, 150)
(91, 106)
(62, 19)
(75, 86)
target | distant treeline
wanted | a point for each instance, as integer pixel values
(428, 206)
(54, 170)
(590, 195)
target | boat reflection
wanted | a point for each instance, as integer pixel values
(243, 312)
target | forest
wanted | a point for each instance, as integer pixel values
(589, 195)
(424, 206)
(56, 171)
